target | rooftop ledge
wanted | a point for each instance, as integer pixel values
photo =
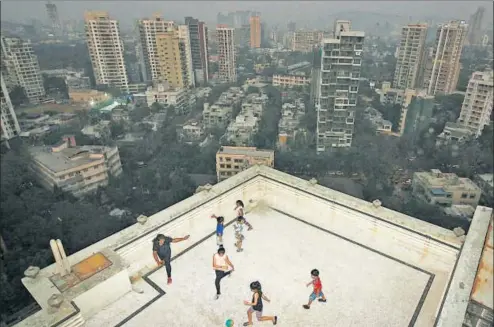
(432, 251)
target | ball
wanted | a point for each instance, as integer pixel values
(229, 323)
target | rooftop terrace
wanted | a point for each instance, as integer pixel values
(378, 267)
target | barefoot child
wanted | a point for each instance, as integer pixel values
(256, 305)
(220, 226)
(239, 209)
(162, 252)
(317, 292)
(221, 262)
(239, 227)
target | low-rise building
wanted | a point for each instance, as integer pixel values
(289, 124)
(242, 130)
(97, 131)
(120, 115)
(445, 189)
(454, 132)
(290, 80)
(88, 96)
(75, 169)
(162, 93)
(216, 116)
(230, 160)
(382, 125)
(191, 131)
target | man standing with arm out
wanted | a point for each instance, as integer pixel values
(162, 252)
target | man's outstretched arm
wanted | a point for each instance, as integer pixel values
(180, 239)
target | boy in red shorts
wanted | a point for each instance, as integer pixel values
(317, 293)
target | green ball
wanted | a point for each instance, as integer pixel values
(229, 323)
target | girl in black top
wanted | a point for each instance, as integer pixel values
(256, 305)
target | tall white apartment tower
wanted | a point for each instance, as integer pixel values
(148, 28)
(442, 72)
(22, 67)
(106, 50)
(477, 104)
(226, 53)
(410, 62)
(8, 120)
(341, 60)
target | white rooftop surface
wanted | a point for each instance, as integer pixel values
(359, 284)
(378, 267)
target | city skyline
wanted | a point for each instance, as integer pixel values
(271, 12)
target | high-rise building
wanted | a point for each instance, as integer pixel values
(441, 74)
(255, 32)
(304, 41)
(148, 28)
(226, 54)
(338, 87)
(477, 104)
(410, 62)
(198, 34)
(106, 50)
(175, 62)
(22, 67)
(474, 36)
(8, 119)
(242, 36)
(51, 10)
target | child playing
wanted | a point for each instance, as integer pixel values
(239, 209)
(317, 292)
(239, 227)
(257, 306)
(219, 229)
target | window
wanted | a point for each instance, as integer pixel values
(228, 166)
(464, 195)
(472, 196)
(222, 166)
(228, 159)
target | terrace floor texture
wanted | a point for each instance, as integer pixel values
(360, 284)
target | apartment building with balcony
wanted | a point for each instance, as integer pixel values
(290, 80)
(454, 132)
(410, 63)
(198, 35)
(75, 169)
(445, 189)
(225, 38)
(106, 50)
(477, 105)
(443, 69)
(149, 60)
(230, 160)
(393, 96)
(174, 56)
(8, 120)
(216, 115)
(21, 67)
(242, 129)
(305, 41)
(338, 88)
(382, 125)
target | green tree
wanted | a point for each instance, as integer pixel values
(18, 96)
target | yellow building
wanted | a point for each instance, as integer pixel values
(172, 65)
(290, 80)
(255, 31)
(88, 96)
(230, 160)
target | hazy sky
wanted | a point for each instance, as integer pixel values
(274, 12)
